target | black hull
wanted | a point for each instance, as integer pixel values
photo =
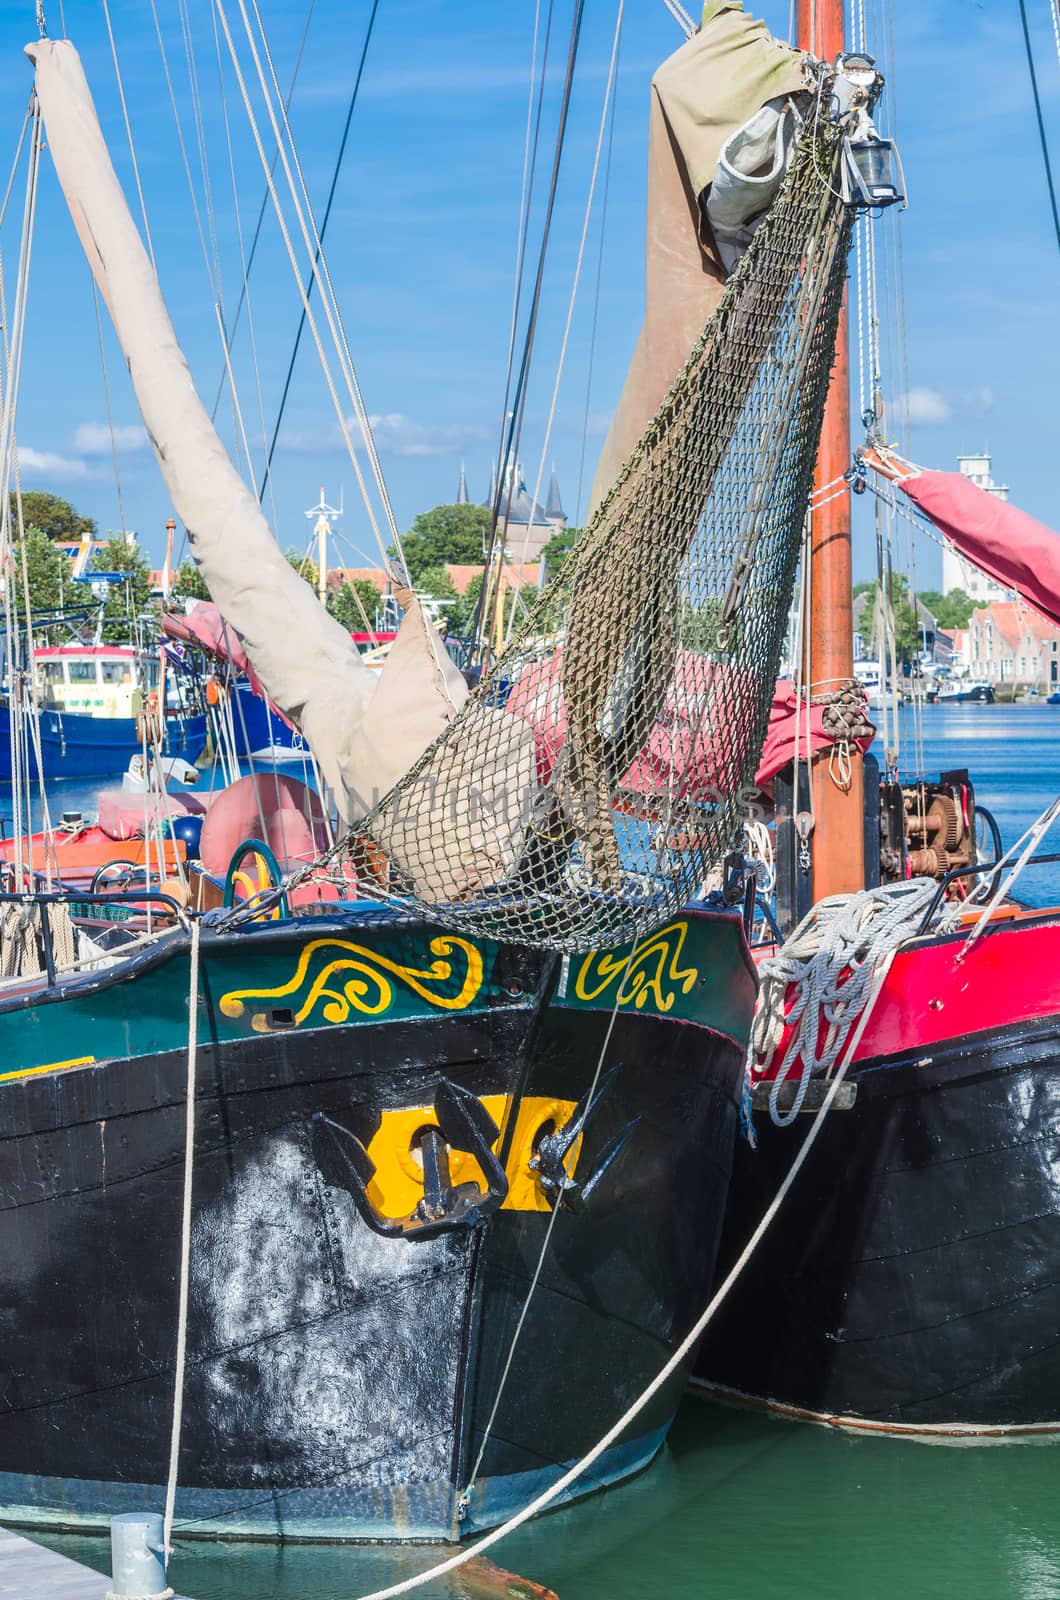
(911, 1281)
(339, 1382)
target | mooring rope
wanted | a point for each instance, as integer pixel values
(185, 1238)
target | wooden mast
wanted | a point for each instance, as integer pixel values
(837, 844)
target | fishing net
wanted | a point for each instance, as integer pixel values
(601, 770)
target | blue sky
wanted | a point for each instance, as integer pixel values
(422, 241)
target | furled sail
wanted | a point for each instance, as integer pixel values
(1007, 544)
(586, 790)
(709, 89)
(305, 659)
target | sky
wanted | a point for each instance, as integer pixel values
(421, 246)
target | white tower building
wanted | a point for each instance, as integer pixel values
(958, 573)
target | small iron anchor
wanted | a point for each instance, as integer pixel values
(463, 1124)
(549, 1160)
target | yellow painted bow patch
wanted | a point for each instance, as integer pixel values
(397, 1187)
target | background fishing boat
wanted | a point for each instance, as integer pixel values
(89, 711)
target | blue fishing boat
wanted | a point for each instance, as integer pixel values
(261, 734)
(92, 700)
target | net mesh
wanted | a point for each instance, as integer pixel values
(599, 773)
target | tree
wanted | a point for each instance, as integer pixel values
(130, 598)
(304, 565)
(435, 584)
(47, 572)
(189, 583)
(952, 610)
(447, 533)
(906, 621)
(342, 603)
(55, 518)
(559, 548)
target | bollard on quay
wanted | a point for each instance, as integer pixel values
(138, 1557)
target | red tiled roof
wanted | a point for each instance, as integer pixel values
(515, 574)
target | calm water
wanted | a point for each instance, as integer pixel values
(1013, 753)
(747, 1508)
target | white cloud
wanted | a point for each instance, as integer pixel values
(923, 405)
(402, 436)
(395, 435)
(56, 466)
(93, 438)
(982, 398)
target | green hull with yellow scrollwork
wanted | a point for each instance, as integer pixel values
(387, 1117)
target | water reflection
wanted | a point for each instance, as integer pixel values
(739, 1506)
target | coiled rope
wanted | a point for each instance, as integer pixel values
(830, 961)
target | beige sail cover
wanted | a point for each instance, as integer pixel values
(401, 723)
(305, 658)
(707, 89)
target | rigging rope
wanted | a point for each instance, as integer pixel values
(681, 17)
(531, 139)
(185, 1238)
(503, 465)
(596, 315)
(106, 400)
(1041, 122)
(128, 133)
(557, 1207)
(1015, 859)
(244, 267)
(292, 258)
(263, 207)
(213, 268)
(323, 230)
(319, 263)
(511, 448)
(536, 497)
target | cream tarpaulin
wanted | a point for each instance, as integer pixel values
(706, 90)
(305, 659)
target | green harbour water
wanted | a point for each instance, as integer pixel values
(741, 1506)
(737, 1506)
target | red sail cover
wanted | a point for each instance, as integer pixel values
(1000, 540)
(683, 740)
(204, 625)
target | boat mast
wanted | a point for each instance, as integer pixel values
(837, 844)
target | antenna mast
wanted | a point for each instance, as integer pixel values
(325, 515)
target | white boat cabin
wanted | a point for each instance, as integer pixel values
(94, 680)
